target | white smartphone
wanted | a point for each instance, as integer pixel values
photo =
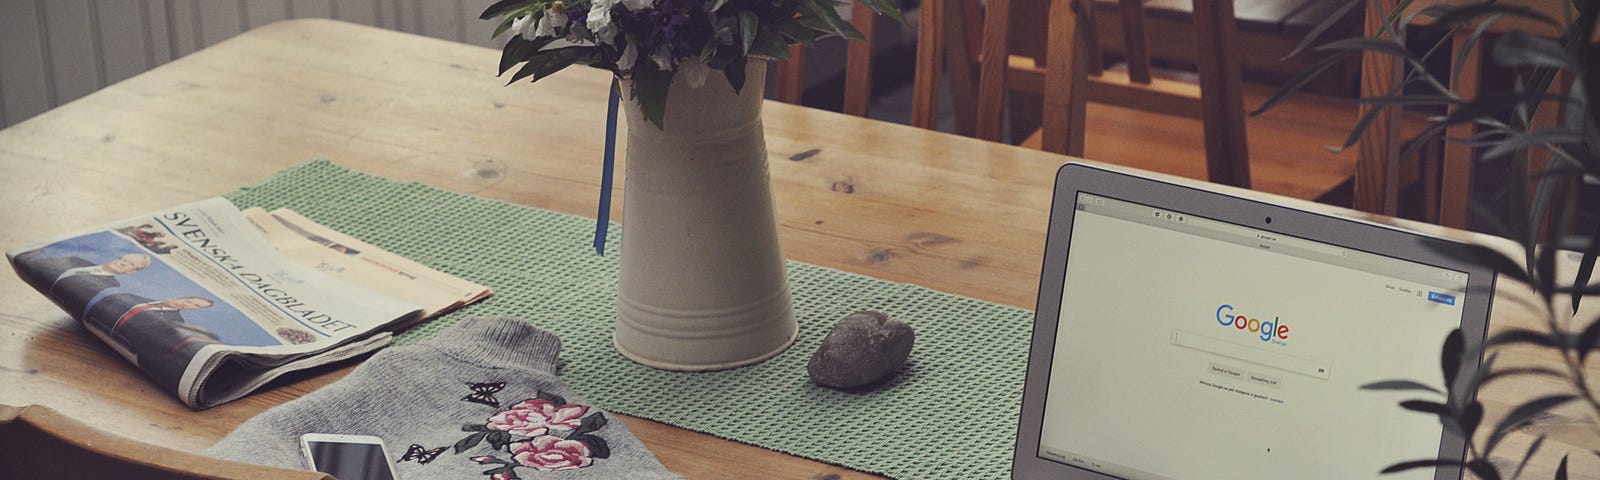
(348, 457)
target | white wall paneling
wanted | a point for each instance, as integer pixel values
(124, 40)
(54, 51)
(73, 51)
(158, 36)
(262, 12)
(314, 8)
(25, 87)
(219, 19)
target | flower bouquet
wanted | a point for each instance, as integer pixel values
(702, 282)
(648, 40)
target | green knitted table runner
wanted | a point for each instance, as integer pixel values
(951, 412)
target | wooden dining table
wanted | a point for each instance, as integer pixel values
(898, 203)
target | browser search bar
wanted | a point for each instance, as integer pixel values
(1249, 354)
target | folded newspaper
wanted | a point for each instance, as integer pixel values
(212, 302)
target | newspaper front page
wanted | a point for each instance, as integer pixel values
(199, 300)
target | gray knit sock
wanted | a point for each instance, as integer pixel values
(479, 400)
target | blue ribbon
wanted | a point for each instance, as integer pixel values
(602, 220)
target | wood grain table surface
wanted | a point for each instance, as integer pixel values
(890, 201)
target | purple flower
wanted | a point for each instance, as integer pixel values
(680, 28)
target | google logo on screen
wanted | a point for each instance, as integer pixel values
(1268, 330)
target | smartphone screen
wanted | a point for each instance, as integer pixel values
(349, 461)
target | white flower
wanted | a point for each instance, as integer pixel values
(520, 26)
(550, 22)
(694, 71)
(599, 21)
(630, 55)
(637, 5)
(663, 58)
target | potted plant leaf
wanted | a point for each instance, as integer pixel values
(1541, 201)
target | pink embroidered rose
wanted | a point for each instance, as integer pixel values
(551, 453)
(536, 416)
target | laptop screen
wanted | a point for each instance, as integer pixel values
(1194, 348)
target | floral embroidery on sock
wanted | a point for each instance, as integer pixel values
(484, 393)
(421, 455)
(544, 433)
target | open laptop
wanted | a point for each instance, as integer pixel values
(1188, 334)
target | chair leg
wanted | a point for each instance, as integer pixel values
(1064, 102)
(1378, 154)
(789, 73)
(1221, 93)
(925, 79)
(1455, 189)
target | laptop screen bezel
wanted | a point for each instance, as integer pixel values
(1075, 178)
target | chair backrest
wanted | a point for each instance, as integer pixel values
(953, 41)
(1448, 190)
(41, 443)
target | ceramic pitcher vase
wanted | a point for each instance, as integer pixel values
(703, 285)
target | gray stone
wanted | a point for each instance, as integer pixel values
(863, 348)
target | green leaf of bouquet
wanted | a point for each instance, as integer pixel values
(718, 5)
(520, 49)
(530, 68)
(650, 86)
(748, 26)
(504, 25)
(569, 56)
(886, 7)
(547, 62)
(797, 33)
(474, 427)
(735, 73)
(469, 442)
(770, 44)
(500, 7)
(831, 17)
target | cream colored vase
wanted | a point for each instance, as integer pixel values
(703, 285)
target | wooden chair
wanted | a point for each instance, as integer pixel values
(1073, 58)
(1210, 115)
(41, 443)
(1447, 183)
(951, 34)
